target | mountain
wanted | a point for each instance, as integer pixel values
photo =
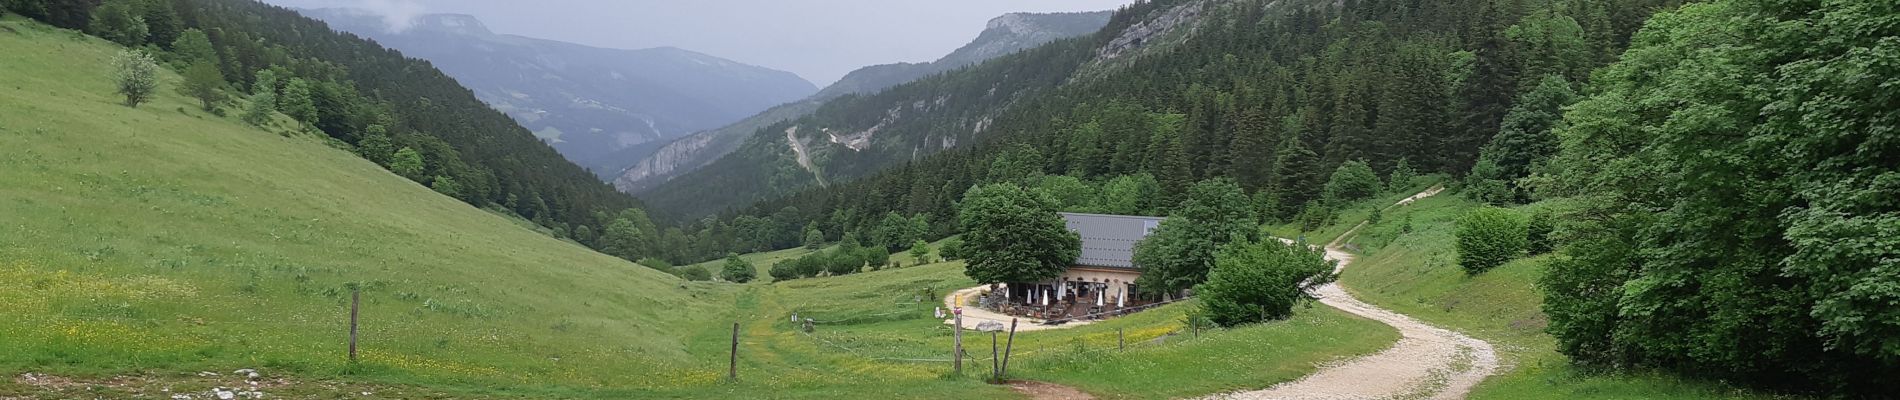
(1004, 35)
(594, 105)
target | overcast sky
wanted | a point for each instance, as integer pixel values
(820, 40)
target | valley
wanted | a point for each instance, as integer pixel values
(1180, 199)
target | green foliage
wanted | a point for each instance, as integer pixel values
(920, 251)
(785, 271)
(1013, 234)
(446, 186)
(1353, 181)
(264, 102)
(1128, 195)
(297, 103)
(1538, 239)
(1180, 252)
(205, 83)
(407, 163)
(1741, 222)
(898, 232)
(814, 238)
(695, 273)
(119, 21)
(952, 249)
(1401, 177)
(376, 145)
(192, 47)
(1525, 142)
(736, 270)
(136, 76)
(656, 264)
(630, 235)
(1315, 215)
(1489, 237)
(1261, 281)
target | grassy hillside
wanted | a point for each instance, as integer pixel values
(163, 238)
(1415, 271)
(141, 246)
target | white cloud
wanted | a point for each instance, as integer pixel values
(399, 14)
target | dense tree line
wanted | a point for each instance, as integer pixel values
(1741, 176)
(399, 112)
(1276, 96)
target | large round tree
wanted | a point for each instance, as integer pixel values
(1011, 234)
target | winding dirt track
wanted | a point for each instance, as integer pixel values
(1427, 362)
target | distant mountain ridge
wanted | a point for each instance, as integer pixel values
(1004, 35)
(594, 105)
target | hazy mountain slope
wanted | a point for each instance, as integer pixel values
(856, 135)
(1006, 34)
(590, 103)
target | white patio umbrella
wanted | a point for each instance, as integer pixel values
(1045, 300)
(1100, 296)
(1121, 299)
(1061, 287)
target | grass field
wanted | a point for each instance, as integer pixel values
(1414, 271)
(139, 247)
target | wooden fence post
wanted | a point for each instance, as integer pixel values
(996, 373)
(356, 300)
(732, 366)
(957, 353)
(1121, 340)
(1007, 346)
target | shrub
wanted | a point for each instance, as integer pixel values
(736, 270)
(952, 249)
(695, 273)
(785, 270)
(1537, 237)
(1354, 180)
(1261, 281)
(1489, 237)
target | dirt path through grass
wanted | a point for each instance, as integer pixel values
(1427, 362)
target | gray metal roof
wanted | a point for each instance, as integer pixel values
(1109, 240)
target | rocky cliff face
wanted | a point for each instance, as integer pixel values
(1004, 35)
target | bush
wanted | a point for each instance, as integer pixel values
(695, 273)
(785, 271)
(1537, 237)
(1489, 237)
(736, 270)
(1261, 281)
(1354, 180)
(952, 249)
(844, 262)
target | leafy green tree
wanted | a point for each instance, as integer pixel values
(163, 26)
(1524, 143)
(1259, 281)
(814, 238)
(1014, 235)
(629, 236)
(1018, 164)
(875, 256)
(298, 103)
(119, 22)
(1738, 168)
(952, 249)
(1488, 184)
(377, 147)
(264, 100)
(446, 186)
(205, 83)
(407, 163)
(897, 231)
(1180, 252)
(136, 75)
(1353, 181)
(1071, 193)
(194, 47)
(1489, 237)
(736, 270)
(920, 251)
(1128, 195)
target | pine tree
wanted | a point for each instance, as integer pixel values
(1253, 150)
(194, 47)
